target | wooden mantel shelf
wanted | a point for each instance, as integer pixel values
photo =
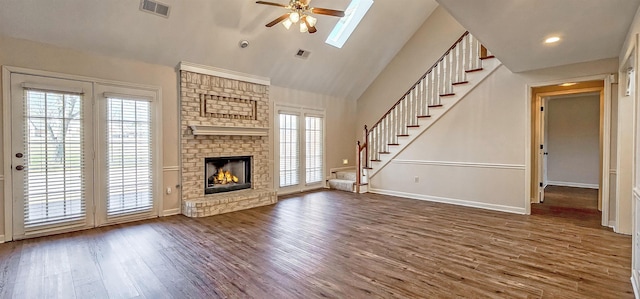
(228, 131)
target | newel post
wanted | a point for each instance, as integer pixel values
(366, 146)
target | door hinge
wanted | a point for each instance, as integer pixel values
(540, 184)
(541, 108)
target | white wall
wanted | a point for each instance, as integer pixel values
(427, 45)
(476, 154)
(573, 127)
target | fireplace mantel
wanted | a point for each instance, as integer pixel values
(228, 131)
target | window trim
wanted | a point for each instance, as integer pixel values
(302, 112)
(102, 93)
(7, 142)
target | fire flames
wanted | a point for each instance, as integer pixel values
(224, 177)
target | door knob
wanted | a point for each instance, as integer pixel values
(19, 167)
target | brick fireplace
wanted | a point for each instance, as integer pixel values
(224, 120)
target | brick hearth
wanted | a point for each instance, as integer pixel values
(210, 101)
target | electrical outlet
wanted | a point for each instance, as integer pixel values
(416, 179)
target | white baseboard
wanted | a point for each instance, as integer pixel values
(459, 202)
(2, 240)
(571, 184)
(612, 224)
(634, 283)
(171, 212)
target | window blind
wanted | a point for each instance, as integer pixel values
(289, 150)
(129, 156)
(54, 156)
(314, 146)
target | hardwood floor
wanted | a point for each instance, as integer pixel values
(327, 244)
(578, 205)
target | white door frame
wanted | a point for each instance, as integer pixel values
(6, 137)
(605, 142)
(301, 112)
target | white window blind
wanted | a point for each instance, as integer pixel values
(129, 156)
(54, 181)
(289, 149)
(314, 146)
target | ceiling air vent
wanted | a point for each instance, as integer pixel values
(302, 54)
(155, 8)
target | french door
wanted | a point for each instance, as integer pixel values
(51, 156)
(300, 155)
(82, 155)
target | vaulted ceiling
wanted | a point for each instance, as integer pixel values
(208, 32)
(514, 30)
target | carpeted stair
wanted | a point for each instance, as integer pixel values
(344, 180)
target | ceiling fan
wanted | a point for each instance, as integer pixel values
(300, 11)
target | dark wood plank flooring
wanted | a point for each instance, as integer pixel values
(327, 244)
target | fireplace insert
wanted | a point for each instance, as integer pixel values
(224, 174)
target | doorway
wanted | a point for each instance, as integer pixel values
(569, 164)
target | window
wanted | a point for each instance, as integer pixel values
(347, 24)
(54, 186)
(300, 148)
(129, 156)
(289, 152)
(314, 152)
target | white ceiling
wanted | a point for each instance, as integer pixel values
(514, 30)
(208, 32)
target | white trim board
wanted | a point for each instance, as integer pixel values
(171, 168)
(572, 184)
(453, 201)
(634, 283)
(171, 212)
(218, 72)
(459, 164)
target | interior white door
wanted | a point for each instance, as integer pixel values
(51, 155)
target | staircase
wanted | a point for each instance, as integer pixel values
(344, 180)
(449, 80)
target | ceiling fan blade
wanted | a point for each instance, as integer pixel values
(310, 28)
(328, 12)
(272, 4)
(278, 20)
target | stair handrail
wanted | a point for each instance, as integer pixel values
(421, 78)
(364, 146)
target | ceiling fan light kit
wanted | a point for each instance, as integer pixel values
(300, 12)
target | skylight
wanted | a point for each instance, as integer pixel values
(353, 15)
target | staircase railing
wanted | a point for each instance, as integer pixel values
(464, 56)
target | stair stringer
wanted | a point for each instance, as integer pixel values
(461, 91)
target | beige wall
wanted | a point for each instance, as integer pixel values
(38, 56)
(340, 120)
(573, 141)
(427, 45)
(339, 123)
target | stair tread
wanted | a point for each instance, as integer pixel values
(341, 180)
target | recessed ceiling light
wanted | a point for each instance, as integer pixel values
(568, 84)
(551, 40)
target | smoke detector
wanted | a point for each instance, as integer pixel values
(155, 7)
(243, 44)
